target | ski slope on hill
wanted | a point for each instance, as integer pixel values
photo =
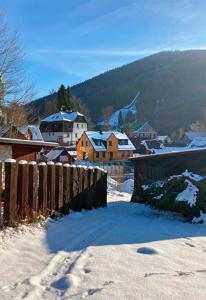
(130, 108)
(124, 251)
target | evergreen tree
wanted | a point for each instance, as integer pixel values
(69, 97)
(120, 120)
(61, 96)
(64, 98)
(128, 129)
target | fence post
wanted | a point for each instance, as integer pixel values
(89, 199)
(42, 197)
(66, 188)
(59, 186)
(33, 189)
(51, 187)
(97, 196)
(79, 199)
(105, 188)
(74, 188)
(10, 192)
(22, 190)
(1, 194)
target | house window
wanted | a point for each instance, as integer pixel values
(86, 143)
(103, 154)
(97, 154)
(76, 135)
(77, 125)
(122, 153)
(82, 143)
(82, 125)
(110, 143)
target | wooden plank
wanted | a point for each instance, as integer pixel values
(1, 194)
(75, 188)
(95, 202)
(105, 189)
(42, 195)
(33, 189)
(22, 190)
(51, 187)
(79, 197)
(66, 188)
(10, 192)
(59, 186)
(89, 199)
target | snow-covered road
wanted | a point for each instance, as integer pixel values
(124, 251)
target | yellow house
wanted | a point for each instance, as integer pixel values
(104, 146)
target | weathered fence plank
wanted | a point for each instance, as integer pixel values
(59, 187)
(33, 190)
(42, 194)
(1, 194)
(66, 188)
(51, 187)
(22, 190)
(10, 196)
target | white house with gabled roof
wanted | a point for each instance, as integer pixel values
(65, 128)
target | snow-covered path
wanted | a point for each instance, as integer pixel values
(124, 251)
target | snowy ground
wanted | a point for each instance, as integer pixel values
(124, 251)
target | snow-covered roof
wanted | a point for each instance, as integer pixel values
(62, 116)
(195, 134)
(35, 131)
(102, 137)
(53, 154)
(162, 138)
(146, 127)
(198, 142)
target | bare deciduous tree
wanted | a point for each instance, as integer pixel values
(15, 89)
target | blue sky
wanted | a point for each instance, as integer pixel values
(69, 41)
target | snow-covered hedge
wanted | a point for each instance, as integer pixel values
(184, 193)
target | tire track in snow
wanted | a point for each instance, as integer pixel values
(63, 263)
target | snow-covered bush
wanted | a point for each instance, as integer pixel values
(184, 193)
(127, 186)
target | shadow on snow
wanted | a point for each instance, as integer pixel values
(120, 223)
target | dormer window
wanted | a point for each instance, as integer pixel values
(123, 142)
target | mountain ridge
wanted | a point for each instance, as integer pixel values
(172, 86)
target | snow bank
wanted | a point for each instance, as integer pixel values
(111, 184)
(188, 174)
(127, 186)
(155, 184)
(200, 219)
(189, 195)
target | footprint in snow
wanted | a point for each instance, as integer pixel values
(147, 251)
(87, 270)
(91, 292)
(190, 245)
(61, 284)
(180, 273)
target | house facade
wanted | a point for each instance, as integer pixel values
(145, 132)
(64, 128)
(104, 146)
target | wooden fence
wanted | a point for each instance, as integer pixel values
(30, 190)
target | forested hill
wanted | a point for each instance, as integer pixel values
(172, 88)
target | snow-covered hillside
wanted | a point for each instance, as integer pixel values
(124, 251)
(113, 120)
